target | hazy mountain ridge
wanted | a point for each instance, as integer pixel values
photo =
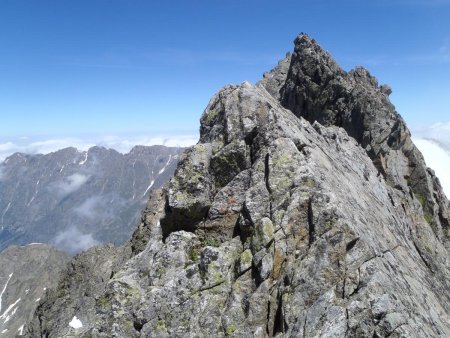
(75, 199)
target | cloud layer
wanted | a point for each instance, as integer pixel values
(73, 240)
(437, 157)
(439, 131)
(122, 144)
(69, 184)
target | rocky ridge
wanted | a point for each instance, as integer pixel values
(305, 210)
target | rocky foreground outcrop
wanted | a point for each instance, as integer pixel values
(277, 225)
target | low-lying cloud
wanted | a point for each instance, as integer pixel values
(69, 184)
(437, 157)
(439, 131)
(434, 143)
(73, 241)
(90, 208)
(98, 208)
(122, 144)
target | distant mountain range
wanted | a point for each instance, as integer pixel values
(76, 199)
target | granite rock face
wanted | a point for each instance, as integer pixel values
(26, 274)
(277, 225)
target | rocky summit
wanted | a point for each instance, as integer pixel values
(305, 210)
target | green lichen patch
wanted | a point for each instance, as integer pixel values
(428, 218)
(230, 330)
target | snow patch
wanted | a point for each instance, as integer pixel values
(20, 329)
(76, 323)
(149, 187)
(3, 291)
(165, 166)
(86, 154)
(6, 210)
(5, 316)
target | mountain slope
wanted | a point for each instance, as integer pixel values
(75, 199)
(25, 275)
(276, 226)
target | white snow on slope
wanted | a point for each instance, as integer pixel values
(165, 166)
(3, 291)
(6, 210)
(5, 316)
(149, 187)
(20, 329)
(438, 159)
(76, 323)
(85, 158)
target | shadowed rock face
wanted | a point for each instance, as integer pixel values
(317, 89)
(74, 199)
(276, 225)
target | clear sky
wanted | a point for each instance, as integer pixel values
(91, 68)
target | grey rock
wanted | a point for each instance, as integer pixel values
(81, 286)
(275, 79)
(277, 226)
(317, 89)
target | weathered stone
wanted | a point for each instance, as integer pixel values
(276, 226)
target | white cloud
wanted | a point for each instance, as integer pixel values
(437, 158)
(6, 146)
(48, 146)
(69, 184)
(41, 147)
(89, 207)
(122, 144)
(439, 131)
(73, 240)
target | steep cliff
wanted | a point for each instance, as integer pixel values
(277, 225)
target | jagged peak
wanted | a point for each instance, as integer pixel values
(317, 89)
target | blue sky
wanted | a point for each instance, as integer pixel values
(96, 69)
